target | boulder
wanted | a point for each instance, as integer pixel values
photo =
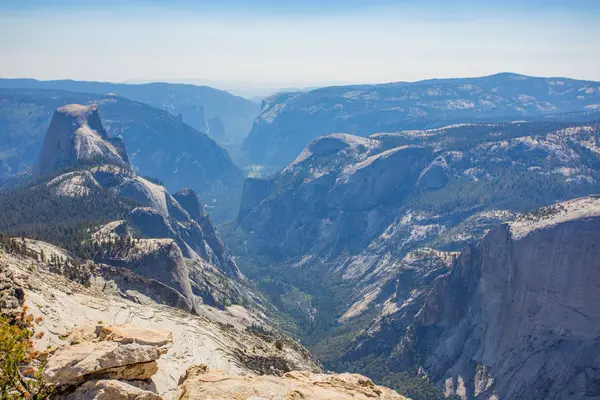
(72, 365)
(115, 352)
(134, 334)
(109, 390)
(200, 383)
(12, 295)
(82, 334)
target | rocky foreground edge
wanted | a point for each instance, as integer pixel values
(118, 362)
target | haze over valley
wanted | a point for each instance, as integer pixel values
(342, 200)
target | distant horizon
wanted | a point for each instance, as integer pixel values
(267, 44)
(252, 90)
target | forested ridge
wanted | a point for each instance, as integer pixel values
(36, 212)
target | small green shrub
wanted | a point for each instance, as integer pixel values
(20, 364)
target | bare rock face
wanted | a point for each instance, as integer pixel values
(109, 389)
(181, 247)
(114, 352)
(200, 383)
(216, 129)
(133, 334)
(76, 137)
(12, 295)
(254, 191)
(338, 186)
(215, 250)
(517, 316)
(118, 329)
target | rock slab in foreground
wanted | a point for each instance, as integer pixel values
(112, 352)
(199, 383)
(109, 390)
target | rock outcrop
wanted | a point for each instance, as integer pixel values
(126, 353)
(517, 317)
(108, 389)
(159, 144)
(76, 137)
(12, 294)
(103, 334)
(180, 246)
(200, 383)
(215, 252)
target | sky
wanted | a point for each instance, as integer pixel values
(293, 43)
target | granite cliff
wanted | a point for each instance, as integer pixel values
(354, 233)
(158, 144)
(516, 317)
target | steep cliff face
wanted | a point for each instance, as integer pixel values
(338, 186)
(254, 191)
(156, 236)
(216, 253)
(76, 137)
(168, 244)
(517, 317)
(159, 144)
(358, 229)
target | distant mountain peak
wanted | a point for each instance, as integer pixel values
(76, 137)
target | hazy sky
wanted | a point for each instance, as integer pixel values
(297, 43)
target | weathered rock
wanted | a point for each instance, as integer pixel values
(517, 316)
(218, 338)
(213, 249)
(199, 383)
(180, 243)
(108, 389)
(186, 245)
(125, 352)
(82, 334)
(76, 136)
(142, 290)
(353, 209)
(71, 365)
(338, 186)
(12, 294)
(254, 191)
(134, 334)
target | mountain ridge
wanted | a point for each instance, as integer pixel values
(339, 241)
(190, 101)
(289, 120)
(153, 235)
(159, 144)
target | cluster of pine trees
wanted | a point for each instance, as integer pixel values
(73, 268)
(35, 211)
